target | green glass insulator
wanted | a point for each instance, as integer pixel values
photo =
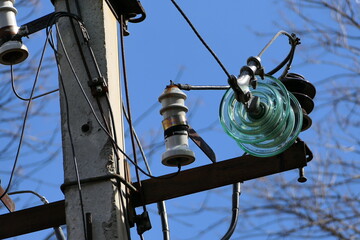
(272, 132)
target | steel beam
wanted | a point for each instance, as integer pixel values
(190, 181)
(32, 219)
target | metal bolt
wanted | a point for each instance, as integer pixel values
(302, 177)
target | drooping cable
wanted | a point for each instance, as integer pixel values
(235, 211)
(21, 97)
(201, 39)
(25, 119)
(73, 152)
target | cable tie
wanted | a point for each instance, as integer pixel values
(84, 32)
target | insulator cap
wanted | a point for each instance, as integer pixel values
(304, 92)
(297, 83)
(13, 52)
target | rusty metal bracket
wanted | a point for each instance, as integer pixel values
(7, 201)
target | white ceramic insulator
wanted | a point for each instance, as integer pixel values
(177, 145)
(7, 13)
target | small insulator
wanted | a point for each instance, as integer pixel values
(175, 127)
(304, 92)
(12, 51)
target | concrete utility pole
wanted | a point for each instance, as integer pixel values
(93, 149)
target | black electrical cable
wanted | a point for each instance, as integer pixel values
(98, 120)
(117, 167)
(82, 55)
(235, 211)
(83, 29)
(293, 40)
(25, 120)
(201, 39)
(137, 141)
(292, 37)
(87, 69)
(160, 205)
(18, 95)
(127, 97)
(73, 152)
(78, 9)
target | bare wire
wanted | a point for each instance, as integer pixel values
(188, 87)
(42, 198)
(294, 41)
(57, 230)
(272, 40)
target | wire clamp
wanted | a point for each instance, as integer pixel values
(84, 32)
(143, 223)
(98, 87)
(239, 94)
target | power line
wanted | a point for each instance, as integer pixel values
(25, 119)
(201, 39)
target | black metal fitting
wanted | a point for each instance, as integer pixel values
(302, 177)
(128, 8)
(295, 40)
(89, 226)
(98, 87)
(143, 223)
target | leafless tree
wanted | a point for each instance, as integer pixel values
(38, 147)
(327, 206)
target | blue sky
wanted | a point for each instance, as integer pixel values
(160, 49)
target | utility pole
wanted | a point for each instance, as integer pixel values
(95, 206)
(104, 206)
